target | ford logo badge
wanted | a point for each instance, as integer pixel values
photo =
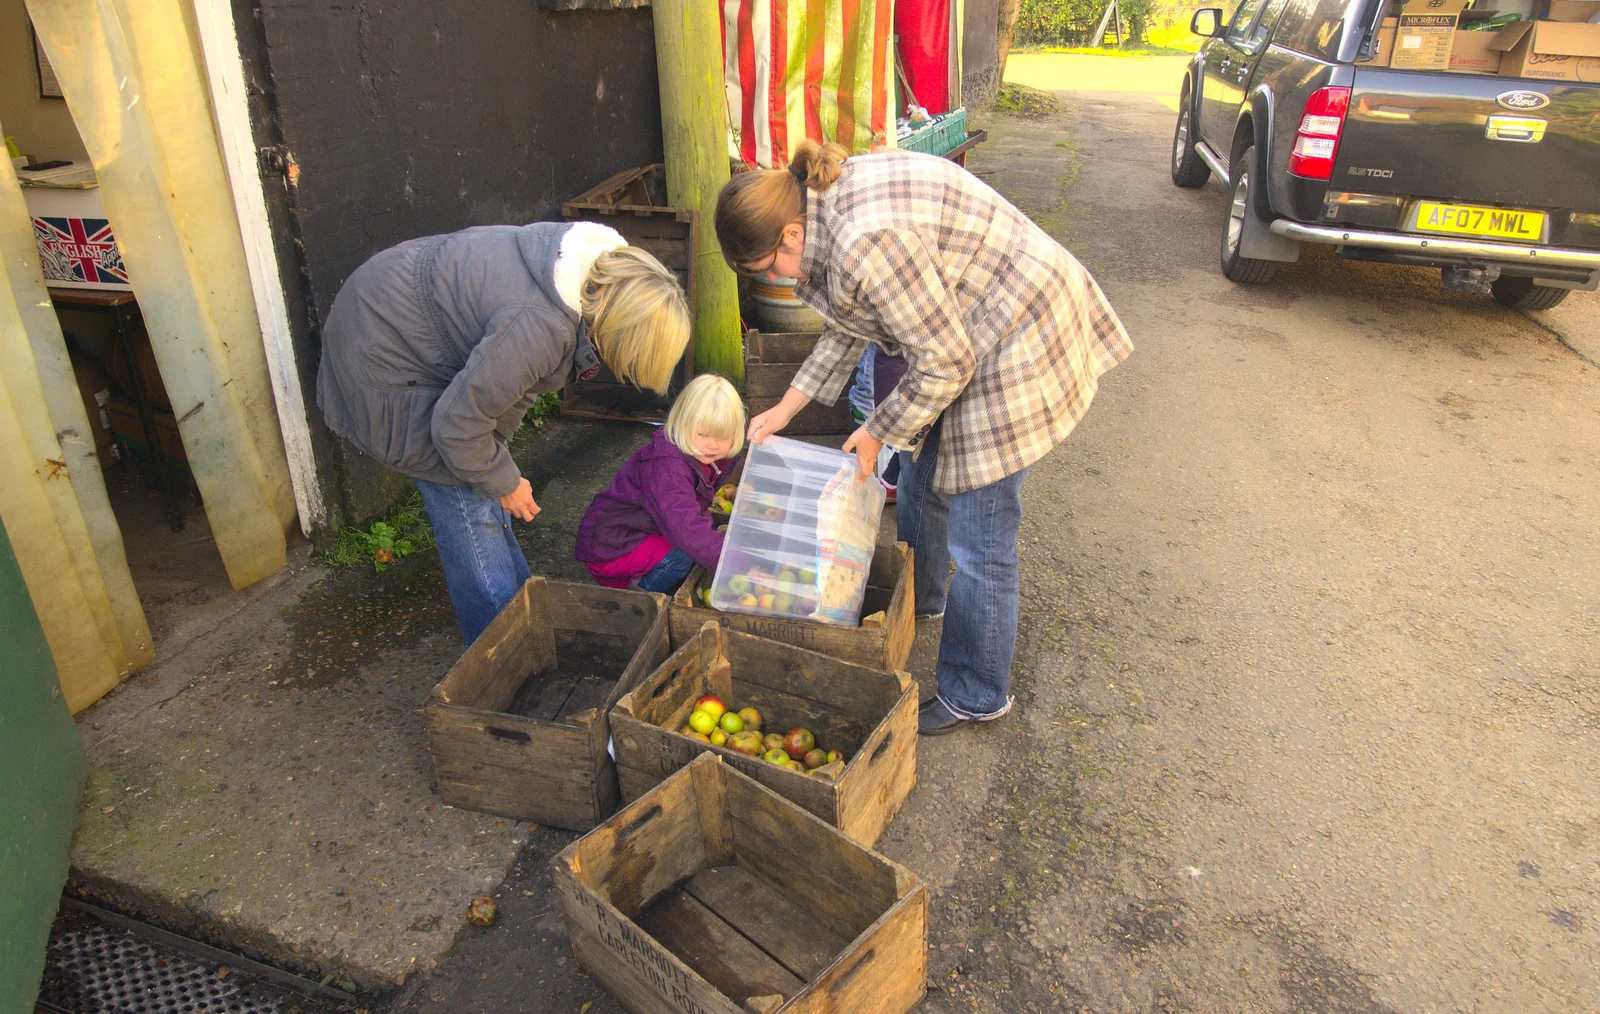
(1523, 100)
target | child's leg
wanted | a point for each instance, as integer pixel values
(666, 576)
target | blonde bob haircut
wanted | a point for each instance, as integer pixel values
(637, 317)
(754, 206)
(709, 405)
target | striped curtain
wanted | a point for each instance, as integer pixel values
(807, 68)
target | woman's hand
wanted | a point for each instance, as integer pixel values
(867, 448)
(778, 416)
(519, 502)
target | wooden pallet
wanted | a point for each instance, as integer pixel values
(633, 202)
(770, 363)
(518, 726)
(870, 716)
(714, 895)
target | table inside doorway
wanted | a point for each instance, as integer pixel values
(123, 309)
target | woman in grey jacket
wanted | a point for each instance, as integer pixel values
(436, 348)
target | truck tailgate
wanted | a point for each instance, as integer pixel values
(1424, 135)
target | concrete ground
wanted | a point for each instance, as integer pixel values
(1307, 709)
(266, 784)
(1307, 713)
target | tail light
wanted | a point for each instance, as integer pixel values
(1316, 143)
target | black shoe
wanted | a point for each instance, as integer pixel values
(937, 720)
(925, 705)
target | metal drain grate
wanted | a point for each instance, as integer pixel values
(94, 969)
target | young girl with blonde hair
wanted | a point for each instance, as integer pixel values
(435, 350)
(652, 524)
(1004, 337)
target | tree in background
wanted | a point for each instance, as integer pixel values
(1072, 22)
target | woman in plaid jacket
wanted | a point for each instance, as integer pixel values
(1005, 336)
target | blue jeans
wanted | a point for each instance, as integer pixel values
(483, 565)
(666, 576)
(978, 529)
(861, 395)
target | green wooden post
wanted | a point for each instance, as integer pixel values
(43, 763)
(694, 132)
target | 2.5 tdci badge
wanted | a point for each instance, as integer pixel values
(1522, 100)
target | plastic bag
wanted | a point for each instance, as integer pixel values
(801, 537)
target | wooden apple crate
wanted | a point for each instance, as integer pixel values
(870, 716)
(714, 895)
(518, 726)
(885, 645)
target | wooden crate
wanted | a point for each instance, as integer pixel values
(868, 715)
(770, 363)
(714, 895)
(633, 202)
(518, 726)
(885, 645)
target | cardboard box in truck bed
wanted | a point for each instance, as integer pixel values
(1573, 10)
(1384, 50)
(1550, 51)
(1425, 34)
(1474, 53)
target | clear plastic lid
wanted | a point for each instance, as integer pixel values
(801, 536)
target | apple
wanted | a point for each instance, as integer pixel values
(751, 718)
(687, 730)
(799, 742)
(773, 514)
(738, 584)
(719, 738)
(776, 756)
(747, 742)
(702, 723)
(731, 723)
(702, 737)
(795, 765)
(815, 758)
(834, 755)
(773, 741)
(712, 705)
(767, 601)
(808, 576)
(784, 603)
(747, 600)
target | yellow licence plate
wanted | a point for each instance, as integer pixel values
(1469, 220)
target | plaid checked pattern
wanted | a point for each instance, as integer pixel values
(1004, 331)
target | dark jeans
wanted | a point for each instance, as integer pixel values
(483, 565)
(666, 576)
(978, 529)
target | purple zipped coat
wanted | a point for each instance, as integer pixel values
(659, 490)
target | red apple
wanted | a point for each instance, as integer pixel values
(799, 742)
(712, 705)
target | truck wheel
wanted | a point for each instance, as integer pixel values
(1238, 268)
(1522, 294)
(1188, 168)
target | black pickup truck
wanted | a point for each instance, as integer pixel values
(1494, 180)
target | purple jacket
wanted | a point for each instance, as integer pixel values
(659, 490)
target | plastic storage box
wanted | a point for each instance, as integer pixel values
(801, 536)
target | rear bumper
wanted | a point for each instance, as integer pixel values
(1441, 246)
